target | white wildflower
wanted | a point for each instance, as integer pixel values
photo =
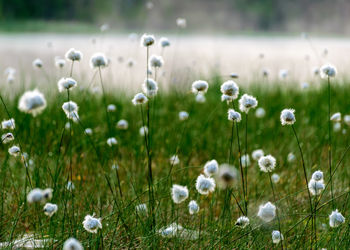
(227, 175)
(35, 195)
(14, 151)
(275, 178)
(229, 90)
(183, 115)
(277, 237)
(336, 117)
(32, 102)
(88, 131)
(200, 98)
(143, 130)
(72, 244)
(336, 219)
(8, 124)
(147, 40)
(92, 224)
(199, 86)
(316, 187)
(139, 98)
(37, 63)
(155, 61)
(246, 102)
(257, 154)
(211, 168)
(267, 163)
(205, 185)
(317, 175)
(66, 83)
(50, 209)
(193, 207)
(267, 212)
(179, 193)
(174, 160)
(328, 70)
(164, 42)
(6, 138)
(233, 115)
(287, 117)
(73, 55)
(260, 112)
(291, 157)
(150, 87)
(242, 221)
(60, 63)
(98, 60)
(245, 160)
(112, 141)
(122, 125)
(111, 108)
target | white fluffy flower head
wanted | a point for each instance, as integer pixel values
(199, 86)
(267, 212)
(139, 99)
(276, 236)
(183, 115)
(336, 219)
(66, 83)
(150, 87)
(229, 90)
(242, 221)
(211, 168)
(193, 207)
(316, 187)
(92, 224)
(50, 209)
(246, 102)
(179, 193)
(174, 160)
(155, 61)
(72, 244)
(147, 40)
(164, 42)
(336, 117)
(317, 175)
(233, 115)
(267, 163)
(112, 141)
(37, 63)
(287, 117)
(205, 185)
(122, 125)
(328, 70)
(98, 60)
(8, 124)
(32, 102)
(257, 154)
(73, 55)
(14, 151)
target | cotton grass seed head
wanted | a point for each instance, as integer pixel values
(32, 102)
(66, 83)
(181, 22)
(336, 219)
(35, 195)
(227, 175)
(260, 112)
(164, 42)
(150, 87)
(174, 160)
(267, 212)
(257, 154)
(336, 117)
(143, 131)
(122, 124)
(112, 141)
(6, 138)
(92, 224)
(193, 207)
(287, 117)
(72, 244)
(277, 237)
(155, 61)
(246, 102)
(229, 90)
(8, 124)
(179, 193)
(275, 178)
(211, 168)
(73, 55)
(233, 115)
(111, 108)
(147, 40)
(200, 98)
(205, 185)
(14, 151)
(245, 160)
(59, 63)
(200, 86)
(98, 60)
(317, 175)
(242, 222)
(267, 163)
(347, 119)
(37, 63)
(70, 107)
(328, 70)
(50, 209)
(183, 115)
(316, 187)
(88, 131)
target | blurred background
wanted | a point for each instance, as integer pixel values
(209, 16)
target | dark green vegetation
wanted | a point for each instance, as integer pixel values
(204, 136)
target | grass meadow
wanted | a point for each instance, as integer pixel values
(89, 177)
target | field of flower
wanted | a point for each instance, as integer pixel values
(186, 159)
